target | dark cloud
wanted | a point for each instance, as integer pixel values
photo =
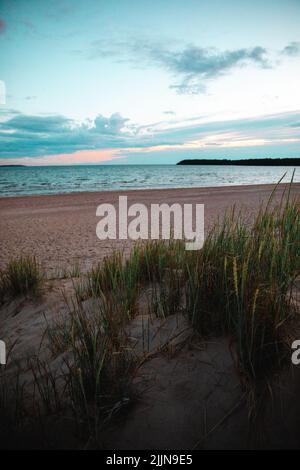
(194, 65)
(33, 136)
(292, 49)
(23, 135)
(208, 63)
(37, 124)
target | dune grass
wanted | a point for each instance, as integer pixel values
(97, 364)
(238, 285)
(21, 276)
(240, 282)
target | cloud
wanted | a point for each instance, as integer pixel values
(209, 63)
(196, 65)
(193, 65)
(56, 139)
(29, 26)
(292, 49)
(112, 125)
(189, 86)
(36, 124)
(79, 157)
(33, 136)
(2, 25)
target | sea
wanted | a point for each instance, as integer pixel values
(21, 181)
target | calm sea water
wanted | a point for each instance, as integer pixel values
(54, 180)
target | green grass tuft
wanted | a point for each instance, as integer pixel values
(21, 276)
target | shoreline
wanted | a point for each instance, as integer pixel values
(263, 186)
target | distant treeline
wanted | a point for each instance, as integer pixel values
(245, 162)
(11, 166)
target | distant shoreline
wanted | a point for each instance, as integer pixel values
(194, 161)
(245, 162)
(12, 166)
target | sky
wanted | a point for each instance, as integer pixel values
(148, 81)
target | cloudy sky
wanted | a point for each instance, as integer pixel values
(148, 81)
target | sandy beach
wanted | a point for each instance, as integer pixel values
(149, 228)
(179, 379)
(60, 230)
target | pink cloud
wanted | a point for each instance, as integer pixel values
(80, 157)
(224, 140)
